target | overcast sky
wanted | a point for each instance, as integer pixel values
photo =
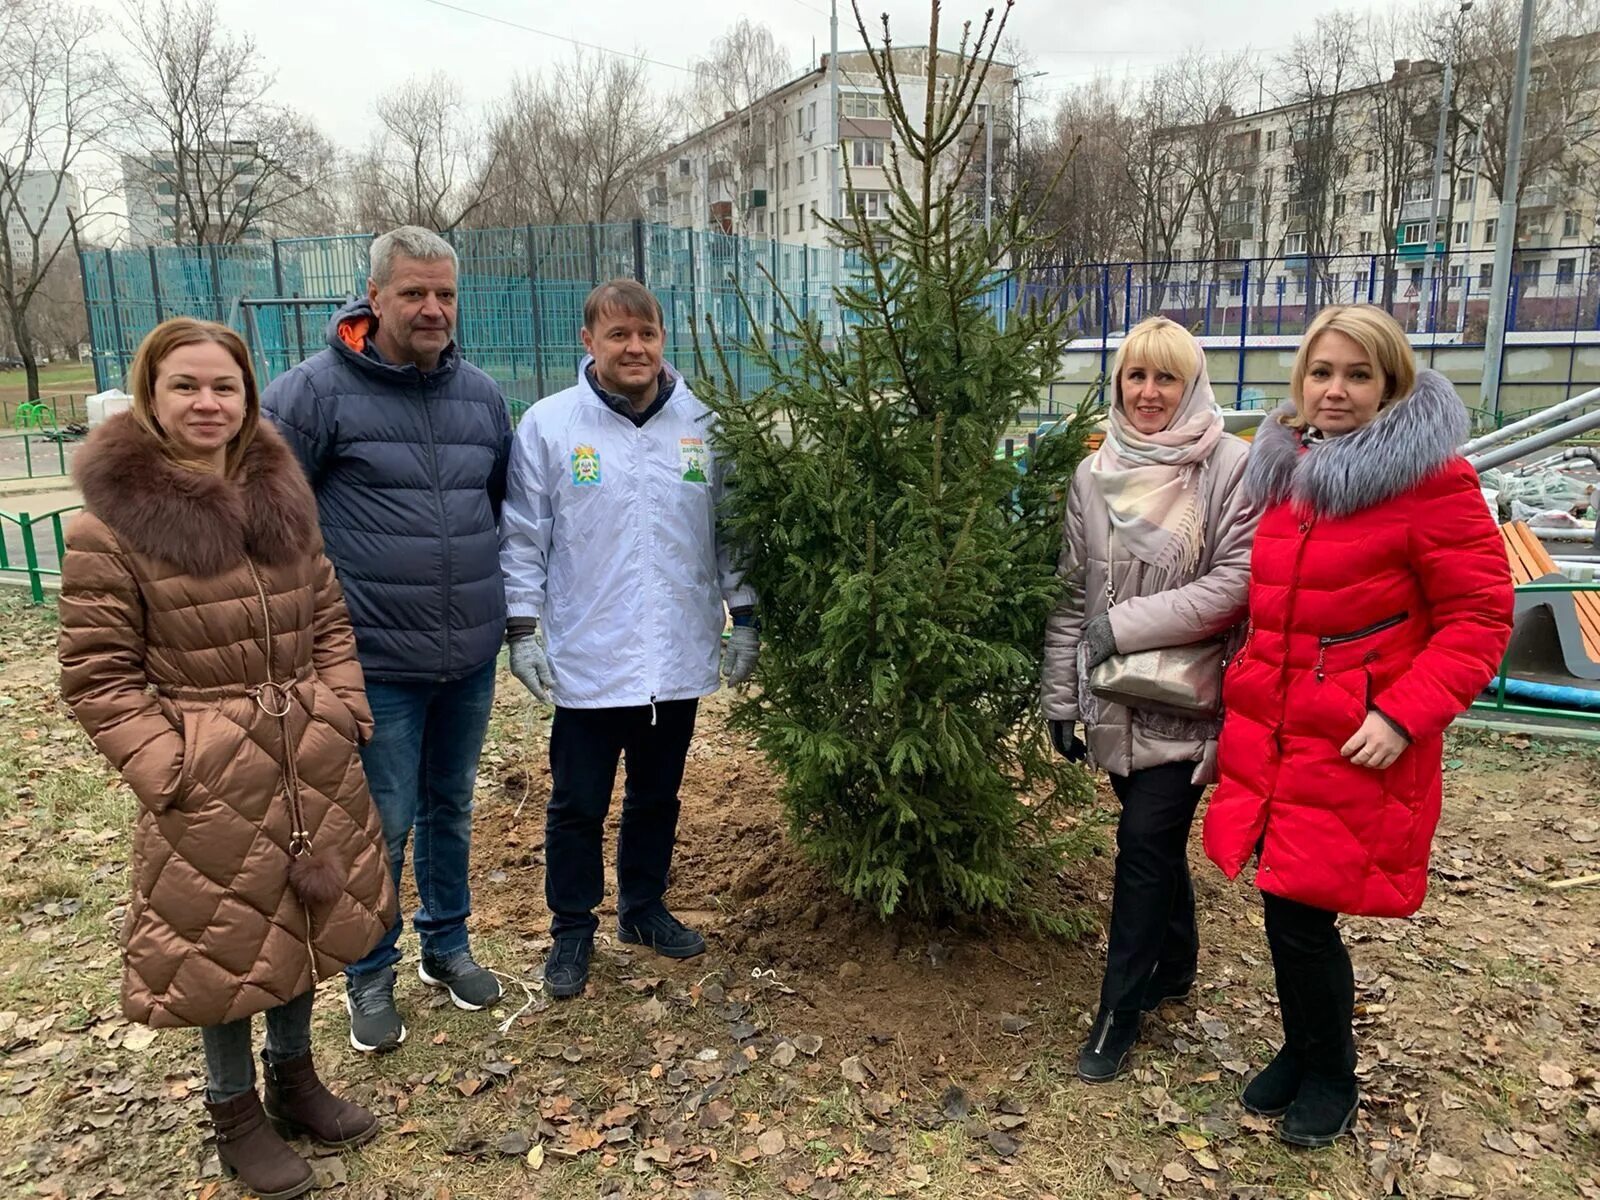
(330, 59)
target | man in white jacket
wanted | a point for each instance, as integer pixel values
(609, 546)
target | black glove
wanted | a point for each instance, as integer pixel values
(1064, 737)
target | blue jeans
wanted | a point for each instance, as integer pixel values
(421, 765)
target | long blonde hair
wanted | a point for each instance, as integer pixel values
(1377, 333)
(161, 341)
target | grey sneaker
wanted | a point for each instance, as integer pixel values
(375, 1024)
(470, 986)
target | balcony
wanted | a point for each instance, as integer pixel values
(1421, 210)
(755, 198)
(1537, 197)
(1299, 264)
(719, 170)
(1535, 239)
(1416, 251)
(658, 194)
(1238, 230)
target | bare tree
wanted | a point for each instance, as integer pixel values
(1209, 90)
(428, 164)
(1401, 99)
(567, 146)
(54, 113)
(1320, 72)
(214, 154)
(744, 65)
(1088, 218)
(1160, 175)
(1563, 121)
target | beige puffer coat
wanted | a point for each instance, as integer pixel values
(1153, 609)
(172, 587)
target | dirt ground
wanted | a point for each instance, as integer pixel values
(816, 1051)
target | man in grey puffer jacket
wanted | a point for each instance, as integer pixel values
(406, 445)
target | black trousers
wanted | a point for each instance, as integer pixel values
(585, 745)
(1152, 934)
(1316, 986)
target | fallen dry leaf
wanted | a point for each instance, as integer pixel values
(771, 1142)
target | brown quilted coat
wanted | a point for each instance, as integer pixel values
(171, 583)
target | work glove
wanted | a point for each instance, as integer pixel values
(1064, 737)
(740, 654)
(530, 666)
(1098, 641)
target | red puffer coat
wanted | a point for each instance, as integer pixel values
(1378, 581)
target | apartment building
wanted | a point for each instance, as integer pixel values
(773, 169)
(227, 180)
(38, 202)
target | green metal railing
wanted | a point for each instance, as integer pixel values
(43, 456)
(32, 568)
(1500, 705)
(50, 411)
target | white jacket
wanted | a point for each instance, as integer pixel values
(609, 537)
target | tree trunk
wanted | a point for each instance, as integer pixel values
(24, 336)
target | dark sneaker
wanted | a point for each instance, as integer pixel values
(566, 971)
(1323, 1110)
(375, 1024)
(1271, 1092)
(663, 933)
(1106, 1053)
(470, 986)
(1162, 989)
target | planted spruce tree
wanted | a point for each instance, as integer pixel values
(905, 571)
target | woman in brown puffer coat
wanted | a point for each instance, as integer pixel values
(206, 649)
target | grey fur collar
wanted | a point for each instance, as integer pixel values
(1408, 442)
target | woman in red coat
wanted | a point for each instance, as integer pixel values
(1380, 605)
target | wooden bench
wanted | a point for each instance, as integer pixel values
(1531, 562)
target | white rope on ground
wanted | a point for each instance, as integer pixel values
(505, 1026)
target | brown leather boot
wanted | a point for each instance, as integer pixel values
(251, 1149)
(299, 1103)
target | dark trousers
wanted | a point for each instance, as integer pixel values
(585, 744)
(1152, 934)
(230, 1058)
(1316, 987)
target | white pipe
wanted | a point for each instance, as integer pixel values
(1554, 412)
(1500, 455)
(1562, 535)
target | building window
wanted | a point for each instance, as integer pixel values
(1372, 161)
(1362, 279)
(813, 114)
(1369, 202)
(1366, 242)
(1490, 228)
(1463, 233)
(1419, 189)
(1456, 272)
(866, 153)
(786, 176)
(1272, 140)
(800, 169)
(1486, 275)
(1566, 270)
(872, 205)
(1569, 224)
(1294, 243)
(761, 222)
(1531, 270)
(786, 222)
(1338, 207)
(800, 217)
(1416, 277)
(859, 107)
(814, 154)
(1414, 233)
(1266, 181)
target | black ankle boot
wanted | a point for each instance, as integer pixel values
(1322, 1111)
(1274, 1088)
(1106, 1052)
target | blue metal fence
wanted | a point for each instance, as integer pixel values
(522, 293)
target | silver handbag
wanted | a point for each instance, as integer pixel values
(1186, 680)
(1183, 680)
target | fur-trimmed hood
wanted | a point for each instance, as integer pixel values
(1408, 442)
(201, 523)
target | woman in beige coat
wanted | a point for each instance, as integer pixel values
(1156, 554)
(206, 649)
